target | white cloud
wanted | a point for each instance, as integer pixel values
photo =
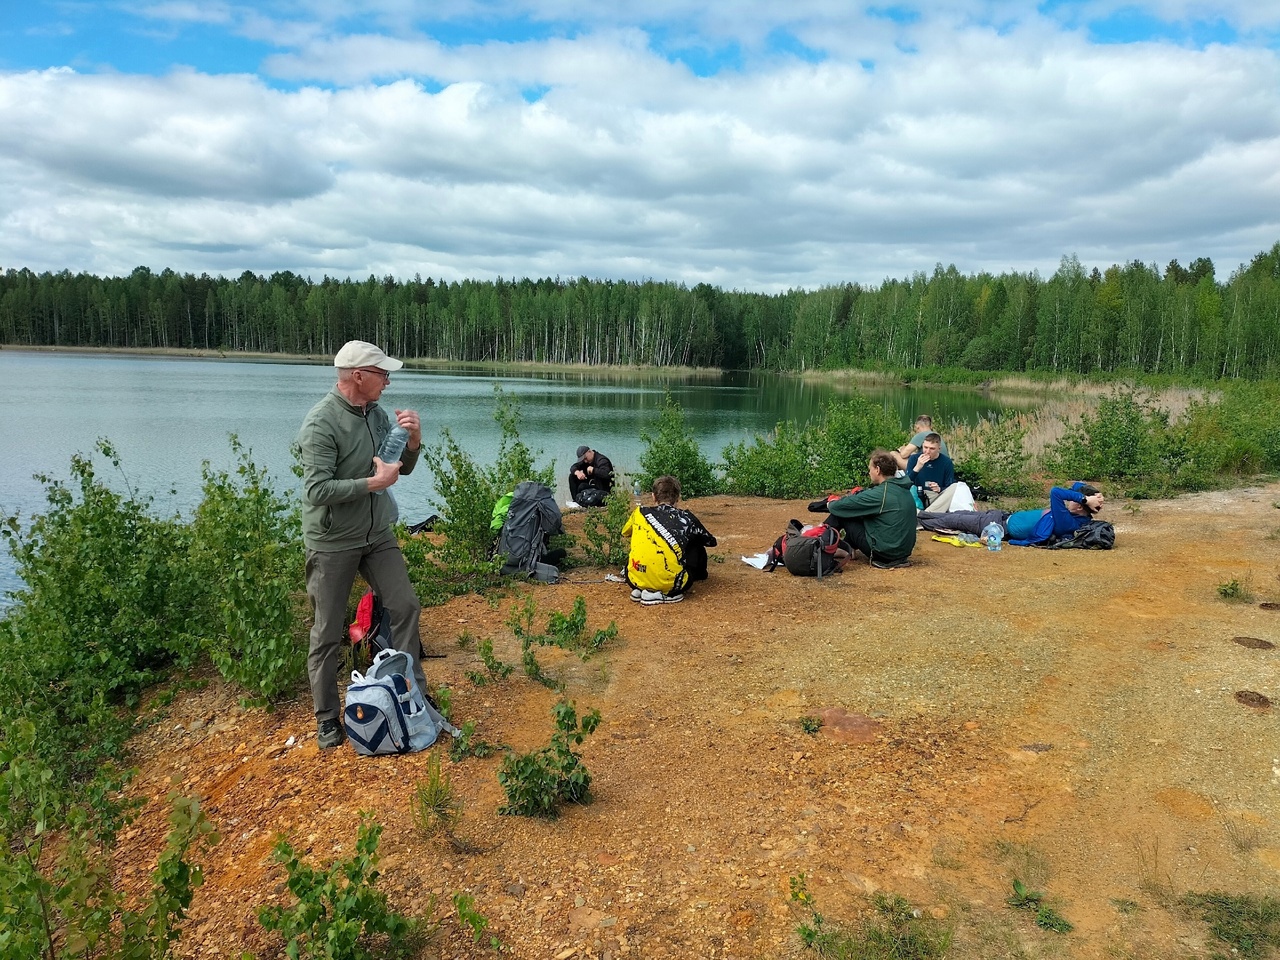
(998, 149)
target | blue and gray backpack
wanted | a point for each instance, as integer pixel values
(386, 712)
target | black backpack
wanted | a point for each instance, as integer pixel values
(805, 551)
(1094, 535)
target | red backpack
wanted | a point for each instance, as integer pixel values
(371, 631)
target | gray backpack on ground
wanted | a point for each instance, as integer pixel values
(385, 711)
(532, 518)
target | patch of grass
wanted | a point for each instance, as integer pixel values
(811, 725)
(1046, 916)
(1127, 907)
(1247, 923)
(893, 931)
(465, 640)
(1273, 535)
(1237, 590)
(1153, 880)
(1023, 860)
(1242, 835)
(436, 808)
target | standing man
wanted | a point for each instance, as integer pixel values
(590, 478)
(347, 525)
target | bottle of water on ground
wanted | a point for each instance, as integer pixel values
(393, 446)
(992, 534)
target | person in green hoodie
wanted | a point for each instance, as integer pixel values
(348, 520)
(879, 520)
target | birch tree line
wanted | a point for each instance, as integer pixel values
(1132, 317)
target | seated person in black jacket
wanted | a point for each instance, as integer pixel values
(590, 478)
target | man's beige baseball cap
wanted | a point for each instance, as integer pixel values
(359, 353)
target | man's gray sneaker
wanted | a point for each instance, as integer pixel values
(635, 594)
(653, 597)
(329, 733)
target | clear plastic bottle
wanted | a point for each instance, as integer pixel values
(992, 534)
(392, 448)
(635, 490)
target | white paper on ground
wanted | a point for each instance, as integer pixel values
(758, 561)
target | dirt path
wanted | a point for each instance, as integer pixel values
(1068, 718)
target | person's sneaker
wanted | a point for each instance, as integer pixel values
(636, 594)
(329, 734)
(890, 564)
(652, 597)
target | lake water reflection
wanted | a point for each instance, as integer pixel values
(166, 416)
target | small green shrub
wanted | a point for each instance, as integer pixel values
(1236, 591)
(605, 545)
(537, 783)
(673, 449)
(495, 669)
(467, 744)
(435, 806)
(811, 725)
(569, 632)
(471, 918)
(339, 915)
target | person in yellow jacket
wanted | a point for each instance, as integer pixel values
(668, 547)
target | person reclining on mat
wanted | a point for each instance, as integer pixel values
(668, 547)
(933, 475)
(880, 520)
(1069, 509)
(590, 478)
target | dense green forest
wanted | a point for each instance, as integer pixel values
(1135, 317)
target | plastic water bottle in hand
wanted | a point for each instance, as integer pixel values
(992, 534)
(392, 448)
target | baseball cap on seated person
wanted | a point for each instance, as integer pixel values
(582, 451)
(359, 353)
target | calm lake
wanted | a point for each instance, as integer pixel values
(166, 416)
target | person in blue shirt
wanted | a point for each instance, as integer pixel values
(1069, 509)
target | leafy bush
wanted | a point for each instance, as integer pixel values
(247, 548)
(536, 783)
(605, 546)
(461, 558)
(105, 608)
(59, 900)
(829, 454)
(672, 449)
(339, 915)
(1124, 438)
(994, 456)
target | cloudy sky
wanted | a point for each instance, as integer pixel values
(756, 144)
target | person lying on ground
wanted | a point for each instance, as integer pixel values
(923, 427)
(590, 477)
(933, 475)
(1069, 509)
(668, 547)
(880, 520)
